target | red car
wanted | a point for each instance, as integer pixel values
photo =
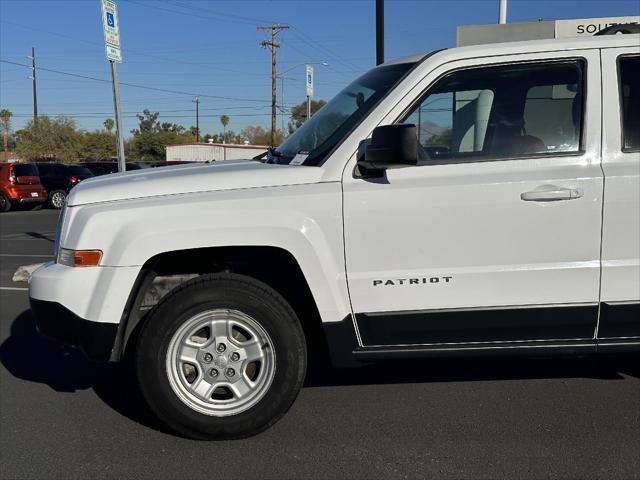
(20, 185)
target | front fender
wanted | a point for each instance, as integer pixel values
(304, 220)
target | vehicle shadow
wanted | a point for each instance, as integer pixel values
(29, 356)
(470, 369)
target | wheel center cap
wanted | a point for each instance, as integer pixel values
(220, 361)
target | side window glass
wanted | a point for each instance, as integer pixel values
(502, 111)
(629, 74)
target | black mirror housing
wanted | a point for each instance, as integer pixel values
(391, 146)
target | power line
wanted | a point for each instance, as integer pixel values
(136, 52)
(145, 87)
(27, 115)
(314, 44)
(226, 15)
(191, 14)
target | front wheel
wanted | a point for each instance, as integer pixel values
(223, 356)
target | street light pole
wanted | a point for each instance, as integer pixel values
(308, 65)
(379, 32)
(502, 15)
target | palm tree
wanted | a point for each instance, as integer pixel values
(224, 120)
(5, 117)
(108, 124)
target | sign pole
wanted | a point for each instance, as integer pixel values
(111, 30)
(309, 83)
(122, 166)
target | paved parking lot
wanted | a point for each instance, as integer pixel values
(63, 417)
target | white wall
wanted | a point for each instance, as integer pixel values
(211, 152)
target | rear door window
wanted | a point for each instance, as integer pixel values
(629, 72)
(25, 170)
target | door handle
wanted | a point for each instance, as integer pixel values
(549, 193)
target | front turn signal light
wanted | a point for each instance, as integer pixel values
(79, 258)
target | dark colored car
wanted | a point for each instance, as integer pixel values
(100, 168)
(20, 185)
(103, 168)
(59, 179)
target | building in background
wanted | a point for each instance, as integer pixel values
(514, 32)
(208, 152)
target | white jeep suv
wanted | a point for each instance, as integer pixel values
(471, 201)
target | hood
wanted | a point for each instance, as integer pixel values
(189, 178)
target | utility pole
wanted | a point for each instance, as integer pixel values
(33, 82)
(197, 102)
(273, 45)
(379, 32)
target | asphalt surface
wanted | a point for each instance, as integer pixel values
(63, 417)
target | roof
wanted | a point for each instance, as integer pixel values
(531, 46)
(225, 145)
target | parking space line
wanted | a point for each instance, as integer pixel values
(24, 255)
(14, 289)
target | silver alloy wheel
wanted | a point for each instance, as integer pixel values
(57, 199)
(220, 362)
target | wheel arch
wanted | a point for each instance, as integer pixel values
(274, 266)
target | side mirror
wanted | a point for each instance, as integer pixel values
(391, 146)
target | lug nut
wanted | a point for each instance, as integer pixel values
(213, 372)
(221, 347)
(235, 356)
(207, 357)
(230, 372)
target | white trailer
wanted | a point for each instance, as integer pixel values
(203, 152)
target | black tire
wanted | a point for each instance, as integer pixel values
(57, 198)
(221, 291)
(5, 203)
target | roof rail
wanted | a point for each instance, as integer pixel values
(623, 28)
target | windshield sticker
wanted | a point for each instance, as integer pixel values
(299, 158)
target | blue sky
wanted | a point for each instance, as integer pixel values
(212, 48)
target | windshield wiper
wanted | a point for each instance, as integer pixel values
(273, 155)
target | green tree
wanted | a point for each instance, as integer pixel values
(98, 145)
(52, 138)
(299, 113)
(258, 135)
(5, 118)
(151, 137)
(193, 131)
(224, 120)
(108, 124)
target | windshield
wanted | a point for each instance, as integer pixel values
(327, 127)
